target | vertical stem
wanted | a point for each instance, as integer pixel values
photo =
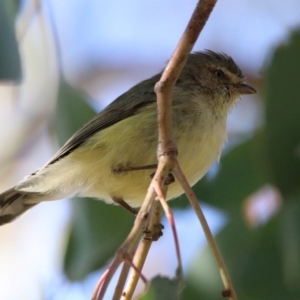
(210, 239)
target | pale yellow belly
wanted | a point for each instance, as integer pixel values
(198, 149)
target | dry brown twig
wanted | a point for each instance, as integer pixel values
(143, 250)
(128, 248)
(167, 162)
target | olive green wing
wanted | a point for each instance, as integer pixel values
(126, 105)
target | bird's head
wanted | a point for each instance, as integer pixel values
(217, 76)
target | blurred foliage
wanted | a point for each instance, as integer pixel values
(283, 118)
(264, 261)
(12, 7)
(93, 236)
(163, 288)
(10, 62)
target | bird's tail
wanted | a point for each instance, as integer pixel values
(13, 203)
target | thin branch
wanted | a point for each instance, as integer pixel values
(143, 250)
(210, 239)
(167, 151)
(164, 87)
(170, 217)
(129, 247)
(130, 244)
(121, 282)
(166, 144)
(99, 284)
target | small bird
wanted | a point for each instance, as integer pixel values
(113, 156)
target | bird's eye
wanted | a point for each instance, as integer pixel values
(219, 74)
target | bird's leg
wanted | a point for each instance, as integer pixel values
(125, 205)
(120, 169)
(158, 230)
(149, 235)
(170, 178)
(155, 234)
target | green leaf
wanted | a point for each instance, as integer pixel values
(254, 260)
(10, 61)
(97, 229)
(72, 112)
(163, 288)
(290, 243)
(12, 7)
(203, 280)
(282, 116)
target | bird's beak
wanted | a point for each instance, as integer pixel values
(245, 89)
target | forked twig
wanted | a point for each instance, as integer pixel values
(166, 146)
(128, 248)
(169, 214)
(167, 153)
(143, 250)
(138, 259)
(159, 187)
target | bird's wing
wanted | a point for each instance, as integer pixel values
(123, 107)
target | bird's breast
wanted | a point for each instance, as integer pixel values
(200, 148)
(133, 143)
